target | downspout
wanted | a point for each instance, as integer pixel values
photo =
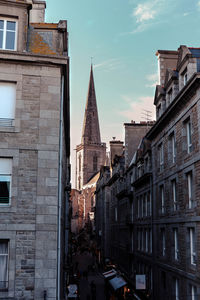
(60, 189)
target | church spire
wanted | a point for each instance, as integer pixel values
(91, 131)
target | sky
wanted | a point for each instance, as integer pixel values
(122, 36)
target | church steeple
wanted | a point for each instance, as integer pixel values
(91, 131)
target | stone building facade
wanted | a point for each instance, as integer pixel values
(34, 152)
(163, 179)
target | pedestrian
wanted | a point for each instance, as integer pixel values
(93, 290)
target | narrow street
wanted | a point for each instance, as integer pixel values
(91, 281)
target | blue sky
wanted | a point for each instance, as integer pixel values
(123, 37)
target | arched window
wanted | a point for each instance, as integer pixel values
(79, 161)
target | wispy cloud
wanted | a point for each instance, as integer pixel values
(146, 13)
(198, 5)
(153, 80)
(137, 107)
(110, 64)
(186, 14)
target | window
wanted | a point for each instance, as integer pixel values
(141, 207)
(138, 238)
(158, 111)
(176, 289)
(185, 78)
(162, 199)
(7, 103)
(174, 196)
(95, 163)
(79, 161)
(161, 156)
(163, 242)
(150, 240)
(3, 264)
(172, 148)
(192, 246)
(146, 240)
(116, 214)
(176, 251)
(8, 34)
(189, 136)
(189, 187)
(5, 180)
(193, 292)
(146, 205)
(138, 204)
(170, 96)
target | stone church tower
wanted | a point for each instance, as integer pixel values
(91, 153)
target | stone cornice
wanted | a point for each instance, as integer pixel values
(19, 3)
(24, 57)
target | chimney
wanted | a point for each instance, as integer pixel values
(116, 148)
(37, 13)
(167, 59)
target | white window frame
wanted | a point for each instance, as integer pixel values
(6, 175)
(176, 250)
(189, 183)
(192, 246)
(5, 254)
(5, 33)
(189, 136)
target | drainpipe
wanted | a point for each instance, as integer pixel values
(60, 189)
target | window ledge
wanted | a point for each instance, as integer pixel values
(7, 129)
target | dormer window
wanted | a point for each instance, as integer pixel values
(185, 76)
(170, 96)
(158, 110)
(8, 34)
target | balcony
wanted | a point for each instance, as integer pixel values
(124, 190)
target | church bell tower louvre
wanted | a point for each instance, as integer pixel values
(91, 153)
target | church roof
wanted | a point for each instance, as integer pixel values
(91, 131)
(92, 181)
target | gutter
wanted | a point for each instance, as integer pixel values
(60, 190)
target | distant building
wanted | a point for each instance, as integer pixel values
(34, 152)
(90, 156)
